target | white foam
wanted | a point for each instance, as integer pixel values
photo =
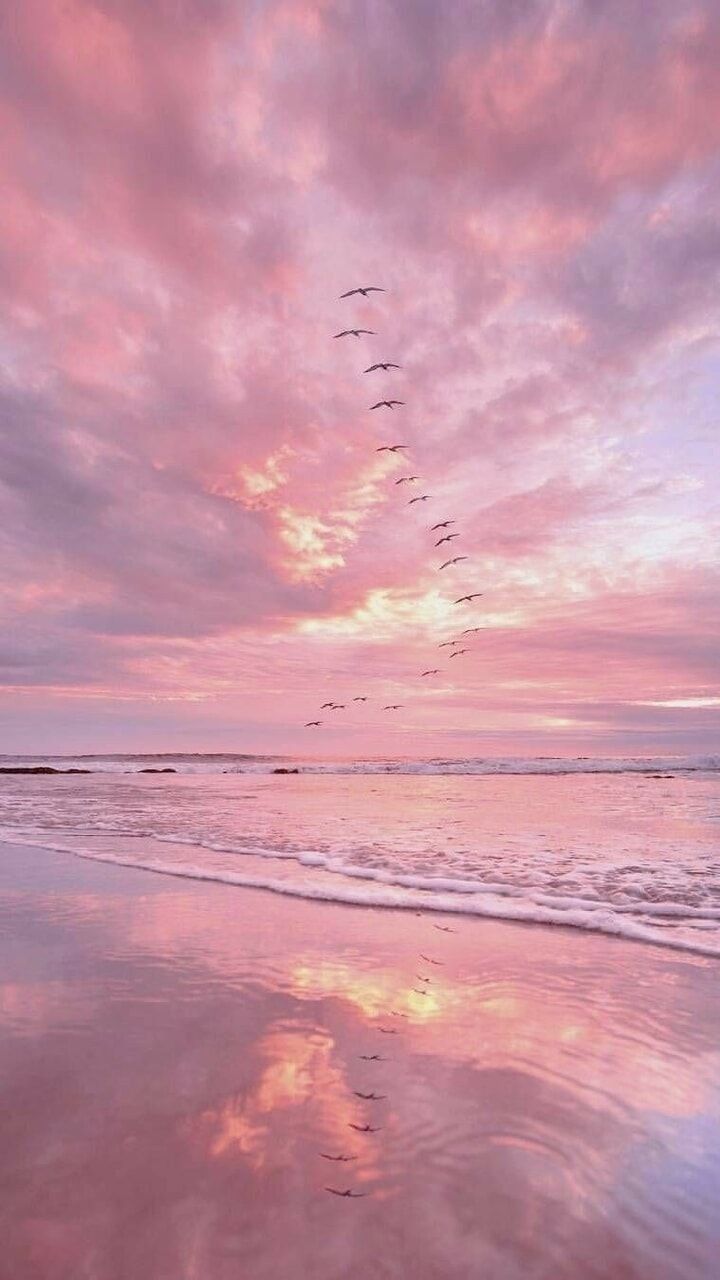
(499, 902)
(469, 765)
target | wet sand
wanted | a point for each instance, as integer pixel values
(175, 1056)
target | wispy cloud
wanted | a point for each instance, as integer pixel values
(191, 506)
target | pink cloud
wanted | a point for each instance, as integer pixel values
(191, 497)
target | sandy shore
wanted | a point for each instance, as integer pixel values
(175, 1056)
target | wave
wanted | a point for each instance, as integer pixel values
(233, 763)
(489, 900)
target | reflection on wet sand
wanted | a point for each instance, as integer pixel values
(180, 1059)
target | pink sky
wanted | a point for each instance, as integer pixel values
(199, 543)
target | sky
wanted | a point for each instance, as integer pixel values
(199, 542)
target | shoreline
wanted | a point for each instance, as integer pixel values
(166, 1043)
(414, 899)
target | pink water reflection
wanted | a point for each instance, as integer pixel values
(171, 1093)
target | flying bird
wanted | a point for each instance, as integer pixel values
(424, 497)
(475, 596)
(446, 643)
(469, 631)
(344, 1159)
(361, 699)
(364, 290)
(419, 993)
(393, 706)
(349, 1194)
(444, 928)
(311, 723)
(327, 704)
(456, 560)
(387, 1031)
(386, 404)
(429, 961)
(372, 1057)
(384, 364)
(420, 978)
(434, 672)
(444, 524)
(345, 333)
(365, 1128)
(456, 653)
(447, 537)
(338, 706)
(406, 479)
(370, 1097)
(394, 1014)
(391, 448)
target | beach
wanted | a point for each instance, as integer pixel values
(178, 1057)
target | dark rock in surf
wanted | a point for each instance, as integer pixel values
(38, 768)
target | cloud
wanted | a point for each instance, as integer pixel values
(190, 494)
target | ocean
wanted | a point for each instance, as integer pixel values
(617, 846)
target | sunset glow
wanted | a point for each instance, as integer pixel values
(200, 543)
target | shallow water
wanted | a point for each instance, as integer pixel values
(630, 853)
(176, 1056)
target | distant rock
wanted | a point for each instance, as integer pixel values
(38, 768)
(166, 770)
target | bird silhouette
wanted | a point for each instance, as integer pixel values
(372, 1057)
(419, 993)
(370, 1097)
(312, 723)
(364, 290)
(444, 928)
(327, 704)
(406, 479)
(348, 1195)
(386, 404)
(383, 364)
(346, 333)
(475, 596)
(365, 1128)
(444, 524)
(456, 560)
(429, 960)
(447, 537)
(360, 699)
(435, 671)
(387, 1031)
(393, 706)
(420, 978)
(423, 498)
(469, 631)
(446, 643)
(456, 653)
(342, 1159)
(391, 448)
(338, 706)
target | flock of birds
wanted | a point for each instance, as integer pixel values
(368, 1128)
(457, 647)
(456, 644)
